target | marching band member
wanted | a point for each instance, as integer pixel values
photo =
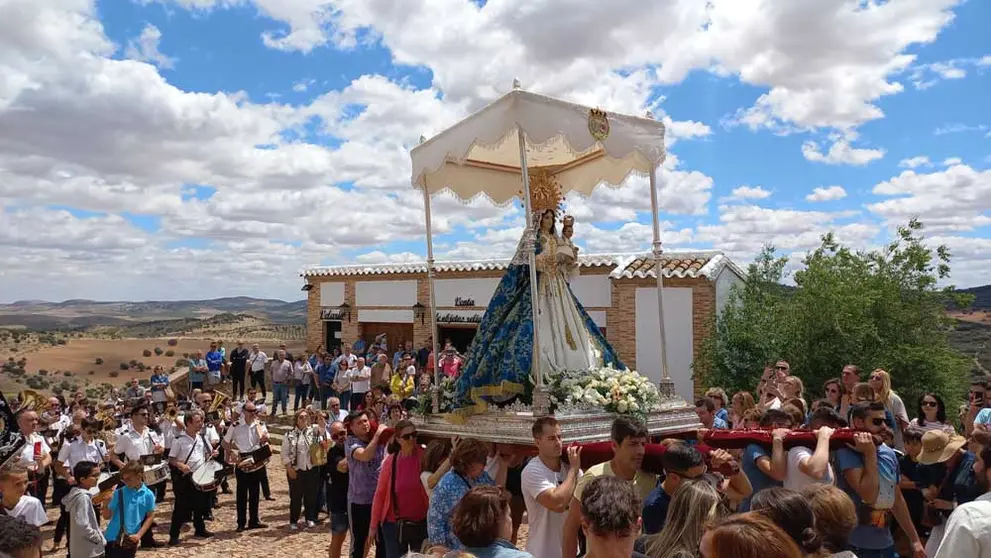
(135, 443)
(36, 454)
(190, 451)
(244, 437)
(84, 447)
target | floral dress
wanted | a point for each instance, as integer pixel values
(448, 492)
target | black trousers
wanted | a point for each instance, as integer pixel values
(258, 381)
(360, 516)
(113, 550)
(247, 497)
(39, 488)
(237, 383)
(303, 493)
(159, 491)
(266, 490)
(59, 490)
(190, 503)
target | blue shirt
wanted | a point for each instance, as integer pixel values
(867, 536)
(718, 423)
(159, 379)
(451, 488)
(214, 359)
(723, 415)
(137, 505)
(500, 548)
(327, 373)
(983, 417)
(758, 480)
(655, 510)
(196, 376)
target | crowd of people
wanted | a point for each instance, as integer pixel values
(849, 475)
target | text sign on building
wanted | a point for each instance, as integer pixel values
(331, 314)
(464, 293)
(459, 317)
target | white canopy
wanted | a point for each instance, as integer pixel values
(481, 154)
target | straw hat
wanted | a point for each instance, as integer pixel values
(938, 447)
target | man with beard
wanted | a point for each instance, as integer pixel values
(629, 441)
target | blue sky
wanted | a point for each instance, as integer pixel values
(215, 148)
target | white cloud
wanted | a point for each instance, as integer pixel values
(959, 128)
(750, 193)
(840, 153)
(924, 76)
(949, 162)
(915, 162)
(144, 48)
(302, 85)
(957, 198)
(829, 193)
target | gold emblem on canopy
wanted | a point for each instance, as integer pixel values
(598, 124)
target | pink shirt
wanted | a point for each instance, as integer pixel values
(413, 500)
(451, 366)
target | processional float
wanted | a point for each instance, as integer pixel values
(521, 142)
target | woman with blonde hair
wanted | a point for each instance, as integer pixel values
(880, 384)
(835, 517)
(793, 388)
(741, 403)
(694, 505)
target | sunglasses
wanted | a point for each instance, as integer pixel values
(781, 368)
(930, 404)
(878, 421)
(411, 435)
(832, 390)
(338, 436)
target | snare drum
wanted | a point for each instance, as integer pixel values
(155, 474)
(205, 478)
(256, 460)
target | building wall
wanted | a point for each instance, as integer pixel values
(620, 316)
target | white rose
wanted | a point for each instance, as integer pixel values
(622, 407)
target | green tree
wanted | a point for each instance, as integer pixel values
(877, 309)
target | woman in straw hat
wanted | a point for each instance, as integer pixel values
(949, 474)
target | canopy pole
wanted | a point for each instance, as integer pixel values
(530, 246)
(430, 289)
(666, 385)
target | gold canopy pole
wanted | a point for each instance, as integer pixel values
(430, 289)
(666, 386)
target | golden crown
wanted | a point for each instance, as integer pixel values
(597, 112)
(545, 192)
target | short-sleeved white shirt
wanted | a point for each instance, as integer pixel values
(795, 479)
(134, 445)
(258, 361)
(245, 437)
(79, 451)
(30, 510)
(198, 450)
(546, 526)
(27, 452)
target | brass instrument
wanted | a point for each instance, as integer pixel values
(172, 413)
(107, 418)
(220, 399)
(31, 399)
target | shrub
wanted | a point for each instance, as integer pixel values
(173, 342)
(42, 372)
(181, 362)
(114, 374)
(61, 342)
(98, 361)
(133, 362)
(146, 353)
(141, 366)
(19, 380)
(67, 373)
(158, 351)
(91, 372)
(124, 366)
(185, 355)
(170, 353)
(144, 383)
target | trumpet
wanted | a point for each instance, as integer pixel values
(172, 413)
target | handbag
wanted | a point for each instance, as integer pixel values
(411, 534)
(318, 455)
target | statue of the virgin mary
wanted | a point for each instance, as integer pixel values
(499, 361)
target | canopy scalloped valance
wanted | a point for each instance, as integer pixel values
(481, 154)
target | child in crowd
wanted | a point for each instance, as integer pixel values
(16, 503)
(132, 505)
(85, 538)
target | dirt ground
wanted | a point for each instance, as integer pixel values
(79, 356)
(275, 540)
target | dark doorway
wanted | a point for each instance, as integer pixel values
(332, 335)
(460, 336)
(395, 334)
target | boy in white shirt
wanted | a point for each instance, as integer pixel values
(799, 466)
(16, 503)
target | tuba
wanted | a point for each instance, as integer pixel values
(220, 400)
(31, 399)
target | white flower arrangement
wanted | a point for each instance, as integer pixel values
(616, 391)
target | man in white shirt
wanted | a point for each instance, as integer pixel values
(334, 408)
(13, 485)
(244, 437)
(360, 377)
(968, 530)
(35, 456)
(189, 452)
(84, 448)
(799, 466)
(548, 487)
(256, 364)
(136, 442)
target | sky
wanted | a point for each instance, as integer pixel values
(173, 149)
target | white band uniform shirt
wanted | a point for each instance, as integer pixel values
(27, 456)
(80, 450)
(246, 437)
(197, 449)
(210, 432)
(134, 444)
